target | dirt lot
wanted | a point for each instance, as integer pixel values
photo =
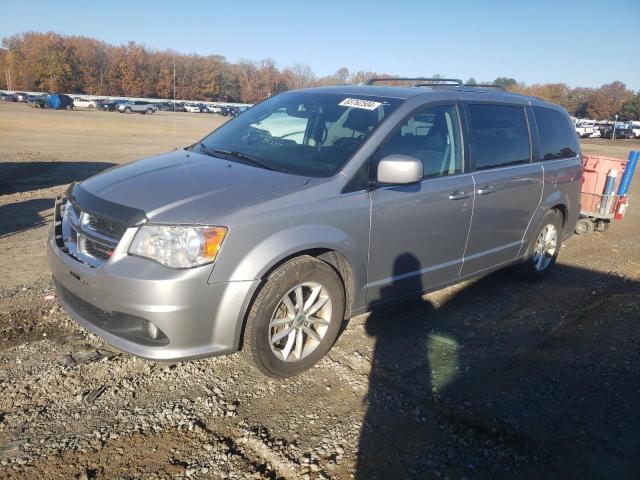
(492, 378)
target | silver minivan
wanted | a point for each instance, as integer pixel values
(309, 208)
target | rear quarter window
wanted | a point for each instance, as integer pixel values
(558, 138)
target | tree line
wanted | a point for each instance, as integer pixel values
(51, 62)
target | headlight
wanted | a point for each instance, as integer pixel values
(178, 246)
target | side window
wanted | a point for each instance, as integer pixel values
(432, 136)
(499, 136)
(557, 137)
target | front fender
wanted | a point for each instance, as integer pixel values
(286, 243)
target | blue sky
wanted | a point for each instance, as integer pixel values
(581, 43)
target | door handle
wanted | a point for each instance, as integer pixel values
(486, 190)
(459, 195)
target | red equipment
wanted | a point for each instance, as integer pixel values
(597, 209)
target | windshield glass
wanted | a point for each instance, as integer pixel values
(304, 133)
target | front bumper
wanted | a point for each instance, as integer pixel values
(198, 319)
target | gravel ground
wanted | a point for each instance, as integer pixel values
(493, 378)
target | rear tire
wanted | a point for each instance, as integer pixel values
(602, 225)
(148, 111)
(127, 110)
(543, 250)
(291, 297)
(584, 226)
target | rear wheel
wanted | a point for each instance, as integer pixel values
(584, 226)
(148, 111)
(295, 318)
(602, 225)
(127, 110)
(544, 248)
(67, 107)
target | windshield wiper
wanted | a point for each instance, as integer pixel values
(204, 149)
(240, 156)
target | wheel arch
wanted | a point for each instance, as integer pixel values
(337, 261)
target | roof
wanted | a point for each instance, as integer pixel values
(408, 92)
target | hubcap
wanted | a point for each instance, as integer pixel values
(545, 247)
(300, 321)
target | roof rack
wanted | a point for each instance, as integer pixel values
(483, 85)
(426, 82)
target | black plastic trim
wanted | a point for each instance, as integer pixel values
(114, 212)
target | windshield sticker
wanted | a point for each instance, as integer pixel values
(359, 103)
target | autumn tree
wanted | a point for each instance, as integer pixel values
(76, 64)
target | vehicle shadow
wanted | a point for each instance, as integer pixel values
(26, 176)
(498, 378)
(21, 216)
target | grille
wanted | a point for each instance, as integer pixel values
(86, 237)
(97, 250)
(106, 227)
(125, 326)
(85, 309)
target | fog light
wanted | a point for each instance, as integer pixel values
(152, 330)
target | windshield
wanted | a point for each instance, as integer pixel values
(304, 133)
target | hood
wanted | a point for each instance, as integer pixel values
(186, 187)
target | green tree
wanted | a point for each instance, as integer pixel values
(631, 108)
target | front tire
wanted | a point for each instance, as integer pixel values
(544, 248)
(295, 318)
(127, 110)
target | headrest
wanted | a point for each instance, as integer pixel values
(361, 120)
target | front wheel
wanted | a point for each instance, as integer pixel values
(127, 110)
(544, 248)
(295, 318)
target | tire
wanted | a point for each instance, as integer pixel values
(67, 107)
(127, 110)
(283, 358)
(602, 225)
(584, 226)
(543, 250)
(148, 111)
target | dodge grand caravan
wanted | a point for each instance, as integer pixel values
(309, 208)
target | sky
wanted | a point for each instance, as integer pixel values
(581, 43)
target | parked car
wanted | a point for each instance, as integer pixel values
(37, 101)
(192, 108)
(260, 238)
(59, 101)
(84, 102)
(215, 108)
(586, 128)
(139, 106)
(110, 105)
(625, 132)
(635, 128)
(21, 97)
(9, 97)
(179, 107)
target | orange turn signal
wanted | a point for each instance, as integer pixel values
(213, 238)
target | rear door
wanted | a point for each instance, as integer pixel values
(419, 231)
(508, 187)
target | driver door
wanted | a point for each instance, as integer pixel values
(419, 231)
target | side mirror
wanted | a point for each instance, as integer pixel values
(399, 169)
